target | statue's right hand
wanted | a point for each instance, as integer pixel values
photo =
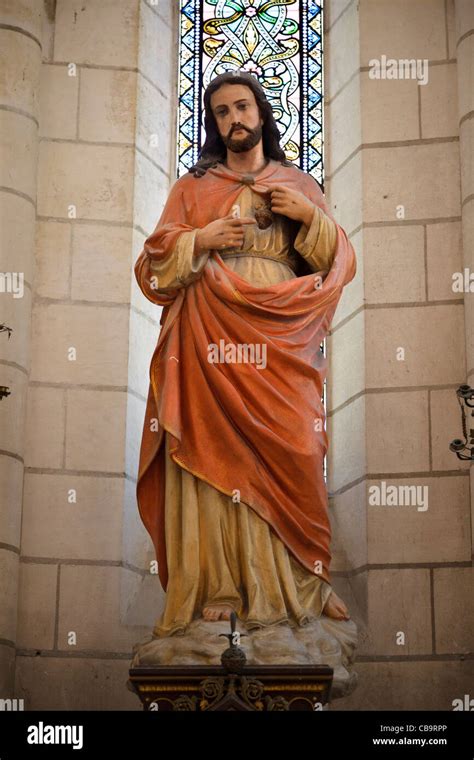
(227, 232)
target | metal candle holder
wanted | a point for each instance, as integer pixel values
(4, 390)
(465, 449)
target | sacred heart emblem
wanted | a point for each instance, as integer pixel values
(263, 215)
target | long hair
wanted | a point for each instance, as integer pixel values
(214, 150)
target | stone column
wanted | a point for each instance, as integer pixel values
(465, 70)
(397, 348)
(106, 76)
(20, 62)
(142, 597)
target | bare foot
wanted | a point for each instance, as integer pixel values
(335, 608)
(217, 612)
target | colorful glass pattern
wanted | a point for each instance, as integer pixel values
(279, 42)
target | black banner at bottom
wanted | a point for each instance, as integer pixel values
(141, 734)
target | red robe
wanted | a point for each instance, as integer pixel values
(233, 425)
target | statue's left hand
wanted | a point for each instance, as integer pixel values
(291, 203)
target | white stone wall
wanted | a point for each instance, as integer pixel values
(20, 61)
(86, 84)
(394, 143)
(86, 87)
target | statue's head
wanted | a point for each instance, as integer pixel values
(258, 121)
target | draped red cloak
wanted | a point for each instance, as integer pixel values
(237, 427)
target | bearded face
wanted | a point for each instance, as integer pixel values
(242, 138)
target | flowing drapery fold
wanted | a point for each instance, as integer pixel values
(253, 432)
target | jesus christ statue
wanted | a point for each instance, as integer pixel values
(249, 266)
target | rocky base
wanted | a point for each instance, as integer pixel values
(321, 642)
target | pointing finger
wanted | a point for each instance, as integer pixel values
(243, 220)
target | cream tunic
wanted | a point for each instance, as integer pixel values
(218, 551)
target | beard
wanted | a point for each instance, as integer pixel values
(242, 144)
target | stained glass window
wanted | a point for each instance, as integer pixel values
(279, 42)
